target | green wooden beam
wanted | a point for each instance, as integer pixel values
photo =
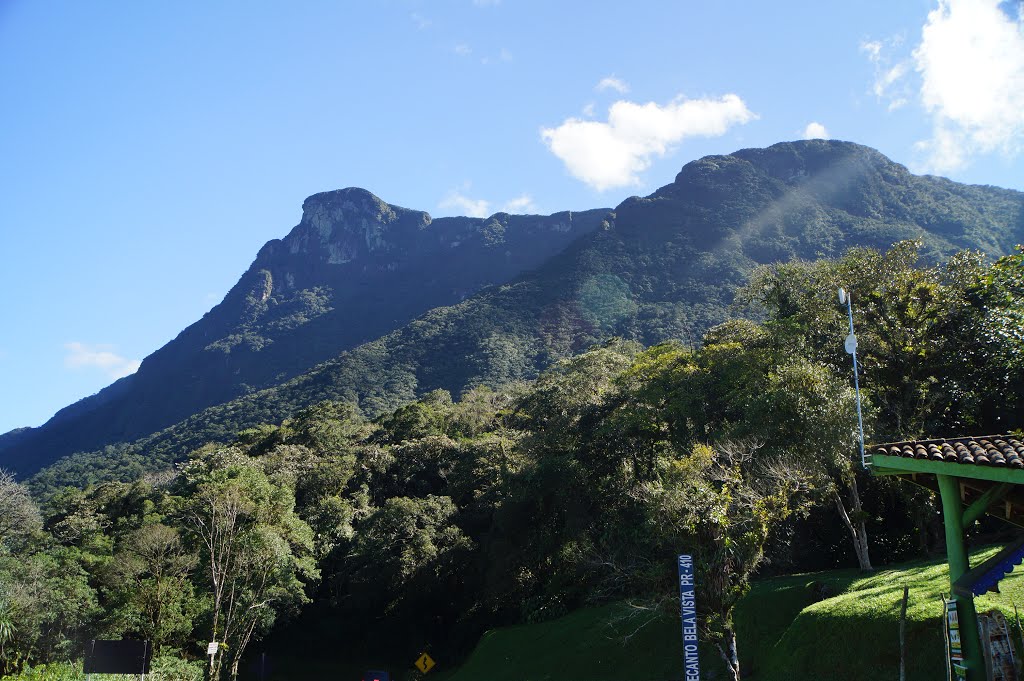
(883, 463)
(981, 504)
(956, 556)
(883, 472)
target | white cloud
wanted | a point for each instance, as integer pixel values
(474, 208)
(889, 83)
(589, 110)
(103, 357)
(463, 50)
(872, 48)
(459, 201)
(522, 204)
(612, 154)
(886, 77)
(886, 80)
(815, 131)
(612, 83)
(971, 63)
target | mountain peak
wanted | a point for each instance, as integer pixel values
(342, 225)
(809, 157)
(794, 161)
(350, 198)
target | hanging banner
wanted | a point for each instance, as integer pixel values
(688, 613)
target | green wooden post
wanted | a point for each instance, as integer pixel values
(956, 556)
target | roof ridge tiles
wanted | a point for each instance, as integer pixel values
(998, 451)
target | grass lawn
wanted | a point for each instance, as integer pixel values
(784, 633)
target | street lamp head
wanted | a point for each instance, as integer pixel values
(842, 296)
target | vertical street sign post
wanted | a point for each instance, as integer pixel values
(688, 614)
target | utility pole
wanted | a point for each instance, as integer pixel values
(851, 349)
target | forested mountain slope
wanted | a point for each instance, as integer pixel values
(659, 267)
(354, 268)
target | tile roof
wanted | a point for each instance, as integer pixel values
(989, 450)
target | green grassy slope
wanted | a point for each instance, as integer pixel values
(784, 633)
(609, 642)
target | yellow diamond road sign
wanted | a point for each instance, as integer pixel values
(425, 663)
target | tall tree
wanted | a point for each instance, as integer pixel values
(722, 503)
(19, 514)
(257, 551)
(987, 333)
(150, 581)
(905, 316)
(902, 309)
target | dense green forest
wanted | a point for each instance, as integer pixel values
(424, 526)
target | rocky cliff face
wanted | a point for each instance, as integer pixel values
(350, 233)
(352, 224)
(339, 227)
(353, 269)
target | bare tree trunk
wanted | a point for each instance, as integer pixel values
(727, 649)
(856, 526)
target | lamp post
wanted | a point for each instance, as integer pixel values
(851, 349)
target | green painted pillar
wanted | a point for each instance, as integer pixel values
(956, 556)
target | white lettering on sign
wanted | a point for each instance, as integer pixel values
(688, 613)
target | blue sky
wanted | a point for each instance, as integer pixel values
(148, 150)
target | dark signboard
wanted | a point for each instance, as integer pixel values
(117, 657)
